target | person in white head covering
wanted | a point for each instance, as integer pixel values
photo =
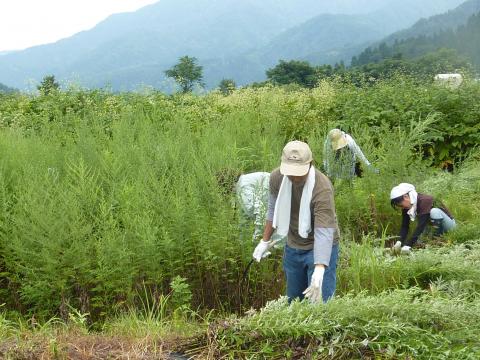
(340, 156)
(421, 206)
(252, 195)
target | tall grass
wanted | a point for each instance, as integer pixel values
(368, 266)
(103, 194)
(396, 325)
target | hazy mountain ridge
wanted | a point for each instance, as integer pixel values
(231, 39)
(6, 89)
(324, 39)
(434, 24)
(154, 33)
(444, 30)
(335, 32)
(465, 40)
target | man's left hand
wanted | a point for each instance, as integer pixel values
(314, 291)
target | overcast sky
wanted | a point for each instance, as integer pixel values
(25, 23)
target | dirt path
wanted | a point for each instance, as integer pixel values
(86, 347)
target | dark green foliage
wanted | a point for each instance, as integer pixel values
(5, 89)
(465, 39)
(293, 72)
(186, 73)
(227, 86)
(48, 85)
(449, 20)
(402, 324)
(389, 104)
(423, 69)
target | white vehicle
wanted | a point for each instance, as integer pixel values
(453, 81)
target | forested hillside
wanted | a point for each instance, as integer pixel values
(5, 88)
(327, 38)
(437, 23)
(465, 40)
(323, 39)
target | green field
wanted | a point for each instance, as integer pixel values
(116, 234)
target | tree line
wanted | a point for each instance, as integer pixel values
(465, 40)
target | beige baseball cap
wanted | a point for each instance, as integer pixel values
(296, 159)
(337, 139)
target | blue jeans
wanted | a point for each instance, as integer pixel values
(441, 221)
(298, 266)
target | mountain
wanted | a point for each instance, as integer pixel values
(228, 37)
(437, 23)
(324, 39)
(6, 89)
(154, 35)
(465, 40)
(456, 29)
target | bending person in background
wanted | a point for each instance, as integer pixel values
(252, 195)
(421, 206)
(301, 207)
(341, 156)
(251, 198)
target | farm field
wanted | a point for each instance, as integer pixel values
(119, 235)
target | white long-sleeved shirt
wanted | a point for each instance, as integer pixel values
(252, 194)
(340, 164)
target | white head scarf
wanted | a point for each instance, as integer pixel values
(403, 189)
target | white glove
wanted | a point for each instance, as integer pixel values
(397, 247)
(314, 291)
(374, 170)
(405, 250)
(261, 250)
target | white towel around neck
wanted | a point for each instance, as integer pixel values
(412, 212)
(281, 216)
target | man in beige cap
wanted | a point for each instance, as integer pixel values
(301, 207)
(340, 156)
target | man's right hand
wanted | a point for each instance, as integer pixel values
(261, 250)
(373, 169)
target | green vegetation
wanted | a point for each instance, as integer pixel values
(293, 72)
(227, 86)
(398, 101)
(449, 20)
(5, 88)
(423, 69)
(186, 73)
(465, 39)
(48, 85)
(113, 222)
(401, 324)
